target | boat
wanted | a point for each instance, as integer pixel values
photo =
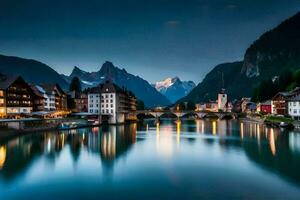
(286, 125)
(67, 125)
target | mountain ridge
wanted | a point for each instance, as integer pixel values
(174, 88)
(272, 53)
(140, 87)
(31, 70)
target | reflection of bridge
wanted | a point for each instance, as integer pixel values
(182, 114)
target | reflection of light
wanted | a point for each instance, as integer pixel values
(214, 127)
(2, 156)
(178, 126)
(202, 127)
(272, 142)
(242, 129)
(258, 132)
(108, 144)
(147, 127)
(49, 145)
(294, 141)
(157, 127)
(198, 126)
(95, 130)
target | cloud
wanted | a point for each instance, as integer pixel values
(231, 6)
(173, 23)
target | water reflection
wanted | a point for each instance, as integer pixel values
(171, 148)
(109, 142)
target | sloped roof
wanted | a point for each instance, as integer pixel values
(296, 98)
(36, 91)
(51, 87)
(6, 81)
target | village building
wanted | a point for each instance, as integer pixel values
(16, 96)
(222, 101)
(280, 101)
(112, 103)
(294, 107)
(80, 101)
(55, 97)
(244, 103)
(265, 107)
(38, 98)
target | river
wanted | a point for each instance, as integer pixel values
(194, 159)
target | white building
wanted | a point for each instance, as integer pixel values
(94, 100)
(222, 100)
(294, 107)
(112, 103)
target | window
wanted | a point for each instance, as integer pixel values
(112, 111)
(111, 96)
(294, 103)
(111, 101)
(106, 105)
(111, 105)
(106, 96)
(1, 93)
(106, 110)
(97, 105)
(106, 100)
(295, 111)
(91, 111)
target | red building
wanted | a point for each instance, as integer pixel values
(265, 107)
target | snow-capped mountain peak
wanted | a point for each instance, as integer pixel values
(174, 88)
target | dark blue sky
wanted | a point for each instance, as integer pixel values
(153, 39)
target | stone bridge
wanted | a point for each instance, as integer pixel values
(181, 114)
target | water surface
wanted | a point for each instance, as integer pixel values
(171, 160)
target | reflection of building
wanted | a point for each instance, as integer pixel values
(15, 96)
(111, 102)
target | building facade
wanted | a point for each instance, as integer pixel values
(55, 97)
(38, 98)
(80, 101)
(16, 96)
(294, 107)
(94, 100)
(265, 107)
(112, 103)
(222, 100)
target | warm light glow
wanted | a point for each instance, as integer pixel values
(178, 127)
(272, 142)
(214, 127)
(2, 156)
(157, 127)
(2, 110)
(198, 126)
(258, 132)
(242, 130)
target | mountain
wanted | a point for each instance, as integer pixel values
(274, 52)
(31, 70)
(140, 87)
(174, 88)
